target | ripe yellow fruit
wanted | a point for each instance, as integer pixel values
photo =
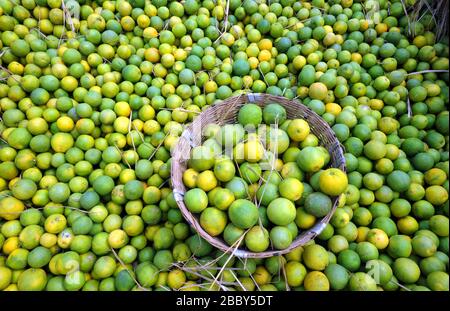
(333, 108)
(206, 180)
(265, 44)
(333, 181)
(253, 151)
(264, 55)
(65, 124)
(362, 234)
(378, 237)
(298, 129)
(10, 208)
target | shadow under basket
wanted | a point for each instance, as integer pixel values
(225, 112)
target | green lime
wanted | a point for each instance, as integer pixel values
(146, 274)
(438, 281)
(281, 211)
(380, 271)
(5, 277)
(133, 189)
(232, 233)
(281, 237)
(202, 158)
(406, 270)
(213, 220)
(349, 259)
(103, 185)
(196, 200)
(295, 273)
(32, 280)
(431, 264)
(243, 213)
(24, 189)
(337, 275)
(124, 280)
(19, 138)
(423, 246)
(367, 251)
(398, 181)
(310, 159)
(39, 257)
(361, 281)
(315, 257)
(274, 114)
(250, 114)
(241, 67)
(318, 204)
(257, 239)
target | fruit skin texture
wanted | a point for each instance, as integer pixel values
(439, 225)
(241, 67)
(213, 221)
(310, 159)
(398, 181)
(253, 151)
(61, 142)
(316, 281)
(243, 213)
(250, 114)
(19, 138)
(298, 129)
(361, 281)
(257, 239)
(375, 150)
(406, 270)
(333, 181)
(318, 90)
(378, 238)
(315, 257)
(196, 200)
(281, 211)
(438, 281)
(436, 195)
(10, 208)
(32, 280)
(224, 170)
(5, 277)
(318, 204)
(337, 275)
(295, 272)
(280, 237)
(423, 246)
(274, 114)
(291, 188)
(202, 158)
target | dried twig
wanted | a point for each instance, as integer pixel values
(126, 268)
(68, 16)
(428, 71)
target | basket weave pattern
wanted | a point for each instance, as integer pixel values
(226, 112)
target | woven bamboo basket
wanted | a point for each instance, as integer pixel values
(226, 112)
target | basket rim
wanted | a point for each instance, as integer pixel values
(186, 140)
